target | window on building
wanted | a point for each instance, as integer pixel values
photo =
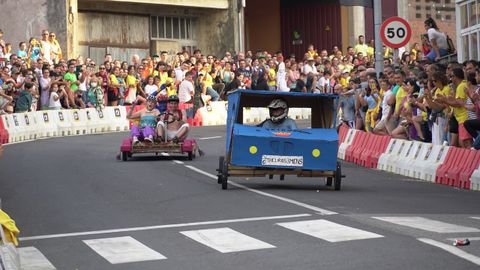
(448, 17)
(418, 16)
(163, 27)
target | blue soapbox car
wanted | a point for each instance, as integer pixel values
(253, 151)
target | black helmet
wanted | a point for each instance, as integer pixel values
(278, 103)
(152, 98)
(173, 98)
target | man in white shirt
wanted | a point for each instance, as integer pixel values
(311, 71)
(186, 89)
(181, 71)
(45, 45)
(281, 76)
(382, 128)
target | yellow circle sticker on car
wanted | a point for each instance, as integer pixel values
(253, 150)
(316, 153)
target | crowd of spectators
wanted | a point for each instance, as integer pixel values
(414, 97)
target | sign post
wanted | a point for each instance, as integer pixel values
(396, 33)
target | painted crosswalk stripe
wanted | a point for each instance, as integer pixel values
(428, 224)
(453, 250)
(123, 250)
(226, 240)
(329, 231)
(32, 259)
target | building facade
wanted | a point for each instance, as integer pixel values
(92, 28)
(468, 29)
(442, 11)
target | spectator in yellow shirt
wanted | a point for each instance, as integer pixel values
(459, 109)
(361, 47)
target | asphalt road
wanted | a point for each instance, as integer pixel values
(80, 208)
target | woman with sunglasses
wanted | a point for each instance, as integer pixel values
(55, 49)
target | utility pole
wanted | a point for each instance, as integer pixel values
(377, 10)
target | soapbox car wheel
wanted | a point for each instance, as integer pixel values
(125, 155)
(338, 177)
(329, 181)
(222, 176)
(190, 155)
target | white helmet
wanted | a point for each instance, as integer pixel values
(278, 104)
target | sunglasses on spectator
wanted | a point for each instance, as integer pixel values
(45, 34)
(52, 35)
(102, 68)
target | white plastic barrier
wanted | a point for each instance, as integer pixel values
(20, 131)
(264, 114)
(79, 122)
(348, 141)
(295, 113)
(10, 127)
(117, 117)
(306, 113)
(403, 160)
(251, 115)
(215, 115)
(98, 120)
(428, 168)
(63, 122)
(420, 153)
(475, 180)
(392, 160)
(394, 148)
(46, 125)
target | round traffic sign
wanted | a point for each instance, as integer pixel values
(395, 32)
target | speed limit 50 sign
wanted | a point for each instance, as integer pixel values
(395, 32)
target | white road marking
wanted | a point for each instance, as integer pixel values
(475, 217)
(123, 250)
(178, 225)
(428, 224)
(209, 138)
(304, 205)
(463, 237)
(226, 240)
(178, 161)
(451, 249)
(32, 259)
(329, 231)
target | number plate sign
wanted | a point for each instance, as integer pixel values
(287, 161)
(395, 32)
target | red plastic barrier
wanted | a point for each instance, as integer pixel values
(357, 143)
(451, 161)
(461, 176)
(198, 119)
(464, 162)
(3, 133)
(464, 179)
(364, 149)
(369, 157)
(382, 148)
(342, 133)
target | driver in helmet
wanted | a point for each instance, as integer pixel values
(148, 121)
(173, 124)
(279, 119)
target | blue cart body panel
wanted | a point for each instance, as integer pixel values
(305, 149)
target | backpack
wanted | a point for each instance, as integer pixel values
(451, 45)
